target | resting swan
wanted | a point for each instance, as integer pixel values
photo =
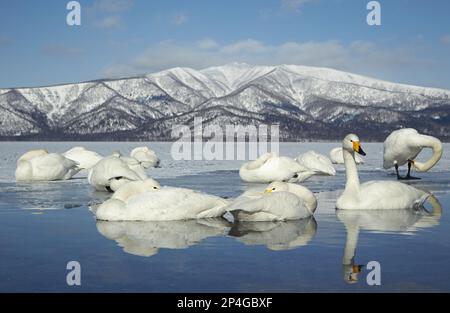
(279, 202)
(270, 167)
(317, 163)
(337, 157)
(85, 158)
(110, 173)
(403, 145)
(39, 165)
(146, 157)
(373, 195)
(146, 201)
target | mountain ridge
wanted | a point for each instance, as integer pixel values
(320, 100)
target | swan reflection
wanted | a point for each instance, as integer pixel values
(281, 235)
(404, 221)
(146, 238)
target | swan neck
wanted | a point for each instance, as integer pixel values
(436, 145)
(352, 184)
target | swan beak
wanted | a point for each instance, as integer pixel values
(268, 190)
(356, 269)
(357, 148)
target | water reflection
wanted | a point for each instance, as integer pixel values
(276, 235)
(146, 238)
(404, 221)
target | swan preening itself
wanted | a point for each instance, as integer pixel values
(39, 165)
(270, 167)
(337, 157)
(403, 145)
(316, 162)
(373, 195)
(279, 202)
(110, 173)
(146, 201)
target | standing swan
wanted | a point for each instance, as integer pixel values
(403, 145)
(39, 165)
(373, 194)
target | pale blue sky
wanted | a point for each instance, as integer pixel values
(128, 37)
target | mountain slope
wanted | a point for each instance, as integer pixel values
(307, 103)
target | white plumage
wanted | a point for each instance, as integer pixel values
(316, 162)
(280, 202)
(270, 167)
(373, 195)
(85, 158)
(39, 165)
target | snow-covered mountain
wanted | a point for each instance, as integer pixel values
(307, 103)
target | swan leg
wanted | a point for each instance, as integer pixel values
(396, 170)
(408, 176)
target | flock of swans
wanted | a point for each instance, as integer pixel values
(137, 197)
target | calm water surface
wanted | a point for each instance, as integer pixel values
(45, 225)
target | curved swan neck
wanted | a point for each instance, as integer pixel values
(352, 184)
(433, 143)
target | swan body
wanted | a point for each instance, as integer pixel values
(146, 157)
(110, 173)
(135, 166)
(373, 195)
(270, 167)
(404, 145)
(85, 158)
(161, 204)
(337, 157)
(316, 162)
(280, 202)
(39, 165)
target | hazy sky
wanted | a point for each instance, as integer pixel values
(127, 37)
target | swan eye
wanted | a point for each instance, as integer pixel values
(155, 187)
(273, 189)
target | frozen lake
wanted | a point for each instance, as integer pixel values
(43, 226)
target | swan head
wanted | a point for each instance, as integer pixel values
(351, 273)
(277, 187)
(352, 144)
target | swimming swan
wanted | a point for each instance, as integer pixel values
(270, 167)
(160, 204)
(317, 163)
(39, 165)
(279, 202)
(337, 157)
(110, 173)
(373, 195)
(85, 158)
(403, 145)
